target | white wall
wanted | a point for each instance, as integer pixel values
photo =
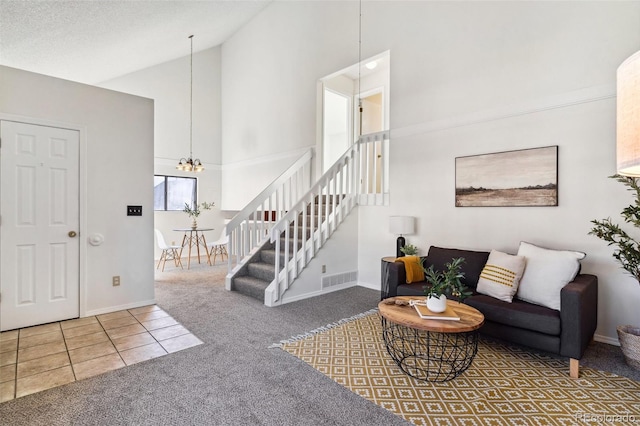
(269, 73)
(168, 85)
(338, 255)
(116, 132)
(466, 78)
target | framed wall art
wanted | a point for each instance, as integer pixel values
(527, 177)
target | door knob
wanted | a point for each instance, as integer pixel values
(72, 234)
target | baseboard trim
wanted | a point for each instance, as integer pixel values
(369, 286)
(119, 308)
(606, 339)
(317, 293)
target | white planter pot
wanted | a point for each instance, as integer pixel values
(437, 304)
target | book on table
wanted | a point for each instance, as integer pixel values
(423, 312)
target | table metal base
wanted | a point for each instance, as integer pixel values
(429, 355)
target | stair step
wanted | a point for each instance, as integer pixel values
(261, 270)
(300, 233)
(269, 256)
(316, 220)
(250, 286)
(315, 208)
(291, 244)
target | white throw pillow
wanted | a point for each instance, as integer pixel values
(547, 272)
(501, 275)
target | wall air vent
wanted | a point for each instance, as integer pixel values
(329, 281)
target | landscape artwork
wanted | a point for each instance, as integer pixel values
(527, 177)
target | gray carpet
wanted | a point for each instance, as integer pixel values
(233, 378)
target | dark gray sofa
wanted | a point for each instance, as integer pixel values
(566, 332)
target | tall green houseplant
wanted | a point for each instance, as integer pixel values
(627, 253)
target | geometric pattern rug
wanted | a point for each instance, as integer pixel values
(505, 385)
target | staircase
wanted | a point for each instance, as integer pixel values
(281, 230)
(259, 271)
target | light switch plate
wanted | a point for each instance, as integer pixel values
(134, 210)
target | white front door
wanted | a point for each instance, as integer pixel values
(39, 221)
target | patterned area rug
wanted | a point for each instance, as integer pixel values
(505, 385)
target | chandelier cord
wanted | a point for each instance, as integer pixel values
(360, 65)
(191, 102)
(190, 164)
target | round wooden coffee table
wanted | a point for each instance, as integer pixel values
(431, 350)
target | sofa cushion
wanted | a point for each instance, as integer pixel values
(474, 261)
(415, 289)
(517, 314)
(522, 336)
(501, 275)
(547, 271)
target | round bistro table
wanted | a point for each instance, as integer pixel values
(431, 350)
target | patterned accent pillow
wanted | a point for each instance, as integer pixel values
(548, 271)
(501, 275)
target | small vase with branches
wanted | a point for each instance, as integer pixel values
(445, 283)
(195, 211)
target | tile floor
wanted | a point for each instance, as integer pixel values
(45, 356)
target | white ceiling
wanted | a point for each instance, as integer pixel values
(92, 41)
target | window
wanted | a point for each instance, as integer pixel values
(172, 192)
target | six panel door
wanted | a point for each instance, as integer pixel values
(39, 212)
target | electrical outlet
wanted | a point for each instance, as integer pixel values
(116, 280)
(324, 269)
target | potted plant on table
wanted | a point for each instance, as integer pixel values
(627, 253)
(445, 283)
(195, 211)
(409, 250)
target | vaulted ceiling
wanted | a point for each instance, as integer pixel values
(93, 41)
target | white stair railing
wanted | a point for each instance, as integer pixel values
(356, 178)
(250, 227)
(373, 164)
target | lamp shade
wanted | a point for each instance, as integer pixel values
(402, 225)
(628, 117)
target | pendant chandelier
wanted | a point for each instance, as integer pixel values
(190, 164)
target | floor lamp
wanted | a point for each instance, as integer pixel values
(401, 225)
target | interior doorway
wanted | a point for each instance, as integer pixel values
(39, 243)
(337, 126)
(341, 122)
(373, 121)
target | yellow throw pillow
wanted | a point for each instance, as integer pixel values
(413, 268)
(501, 275)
